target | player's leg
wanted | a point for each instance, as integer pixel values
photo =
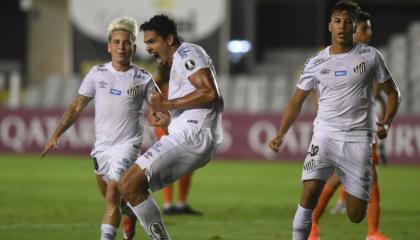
(317, 168)
(184, 187)
(129, 220)
(329, 188)
(112, 216)
(374, 202)
(355, 172)
(302, 221)
(167, 194)
(134, 189)
(340, 205)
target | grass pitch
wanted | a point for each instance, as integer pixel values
(57, 198)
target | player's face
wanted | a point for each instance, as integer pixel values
(363, 32)
(158, 47)
(341, 28)
(121, 47)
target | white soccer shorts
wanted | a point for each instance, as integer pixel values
(175, 155)
(115, 161)
(351, 160)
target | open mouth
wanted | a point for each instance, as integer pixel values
(158, 58)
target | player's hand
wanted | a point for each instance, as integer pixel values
(275, 143)
(159, 119)
(52, 143)
(382, 130)
(158, 103)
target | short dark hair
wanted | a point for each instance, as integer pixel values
(162, 25)
(346, 5)
(363, 16)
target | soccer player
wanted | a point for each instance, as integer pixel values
(363, 35)
(195, 130)
(119, 89)
(181, 207)
(344, 73)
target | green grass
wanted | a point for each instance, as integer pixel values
(57, 198)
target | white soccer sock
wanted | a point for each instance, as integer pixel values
(302, 223)
(108, 232)
(148, 213)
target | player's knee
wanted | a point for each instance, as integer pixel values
(356, 215)
(123, 187)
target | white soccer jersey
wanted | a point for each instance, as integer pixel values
(345, 88)
(188, 59)
(118, 98)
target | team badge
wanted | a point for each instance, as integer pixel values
(360, 69)
(190, 64)
(133, 91)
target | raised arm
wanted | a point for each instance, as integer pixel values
(205, 95)
(289, 116)
(69, 117)
(392, 104)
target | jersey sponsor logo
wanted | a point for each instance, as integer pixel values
(183, 52)
(192, 121)
(190, 65)
(102, 84)
(340, 73)
(115, 92)
(157, 231)
(360, 69)
(133, 91)
(367, 50)
(324, 71)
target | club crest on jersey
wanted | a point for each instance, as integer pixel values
(190, 65)
(340, 73)
(133, 91)
(115, 92)
(360, 69)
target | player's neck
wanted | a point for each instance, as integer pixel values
(341, 48)
(173, 49)
(121, 67)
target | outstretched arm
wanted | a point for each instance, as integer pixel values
(392, 104)
(69, 117)
(289, 116)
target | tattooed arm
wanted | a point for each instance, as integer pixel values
(69, 117)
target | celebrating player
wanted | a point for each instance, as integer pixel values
(344, 73)
(119, 90)
(195, 130)
(363, 34)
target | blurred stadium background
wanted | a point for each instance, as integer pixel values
(258, 46)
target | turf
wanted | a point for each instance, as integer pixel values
(57, 198)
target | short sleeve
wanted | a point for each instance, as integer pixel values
(381, 71)
(192, 58)
(306, 80)
(87, 88)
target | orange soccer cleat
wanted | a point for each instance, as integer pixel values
(377, 236)
(314, 233)
(129, 227)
